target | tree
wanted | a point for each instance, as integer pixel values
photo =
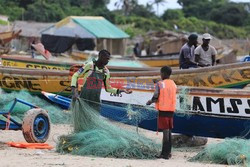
(127, 5)
(99, 3)
(143, 11)
(230, 13)
(172, 14)
(44, 12)
(157, 3)
(201, 9)
(185, 3)
(11, 9)
(80, 3)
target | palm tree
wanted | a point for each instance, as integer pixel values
(127, 5)
(157, 3)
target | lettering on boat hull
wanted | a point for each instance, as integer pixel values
(35, 84)
(19, 64)
(216, 105)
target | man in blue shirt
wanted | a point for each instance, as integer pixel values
(187, 57)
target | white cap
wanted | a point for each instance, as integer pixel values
(206, 36)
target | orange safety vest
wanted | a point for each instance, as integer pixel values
(167, 96)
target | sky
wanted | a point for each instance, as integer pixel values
(170, 4)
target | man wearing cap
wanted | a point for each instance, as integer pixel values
(187, 57)
(205, 53)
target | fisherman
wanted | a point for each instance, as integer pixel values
(205, 53)
(32, 49)
(187, 57)
(165, 102)
(159, 50)
(94, 74)
(137, 50)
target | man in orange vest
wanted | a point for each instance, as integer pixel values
(165, 102)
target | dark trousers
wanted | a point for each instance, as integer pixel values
(166, 142)
(187, 66)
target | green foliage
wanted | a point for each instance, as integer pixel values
(11, 9)
(146, 24)
(193, 24)
(140, 25)
(99, 3)
(2, 22)
(221, 11)
(140, 10)
(195, 16)
(50, 12)
(232, 14)
(132, 31)
(172, 14)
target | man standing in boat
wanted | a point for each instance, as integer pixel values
(187, 57)
(94, 74)
(205, 53)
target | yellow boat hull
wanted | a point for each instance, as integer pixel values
(225, 76)
(34, 81)
(161, 62)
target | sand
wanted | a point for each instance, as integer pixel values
(16, 157)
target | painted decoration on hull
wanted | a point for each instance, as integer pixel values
(32, 65)
(221, 78)
(35, 84)
(213, 105)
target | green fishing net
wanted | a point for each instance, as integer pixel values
(184, 102)
(95, 135)
(233, 151)
(56, 114)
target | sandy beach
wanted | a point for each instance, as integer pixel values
(16, 157)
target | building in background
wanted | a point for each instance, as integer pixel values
(87, 33)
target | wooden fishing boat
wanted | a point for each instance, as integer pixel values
(34, 81)
(224, 76)
(150, 60)
(200, 111)
(6, 37)
(171, 60)
(27, 62)
(236, 75)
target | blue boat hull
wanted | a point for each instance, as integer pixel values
(197, 124)
(191, 124)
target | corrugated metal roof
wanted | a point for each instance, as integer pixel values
(30, 29)
(86, 27)
(67, 28)
(100, 27)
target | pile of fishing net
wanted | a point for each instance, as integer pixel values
(95, 135)
(55, 113)
(233, 151)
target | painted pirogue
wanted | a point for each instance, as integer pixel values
(18, 61)
(224, 76)
(6, 37)
(199, 111)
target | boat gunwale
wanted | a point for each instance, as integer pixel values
(65, 64)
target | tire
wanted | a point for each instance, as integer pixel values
(36, 126)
